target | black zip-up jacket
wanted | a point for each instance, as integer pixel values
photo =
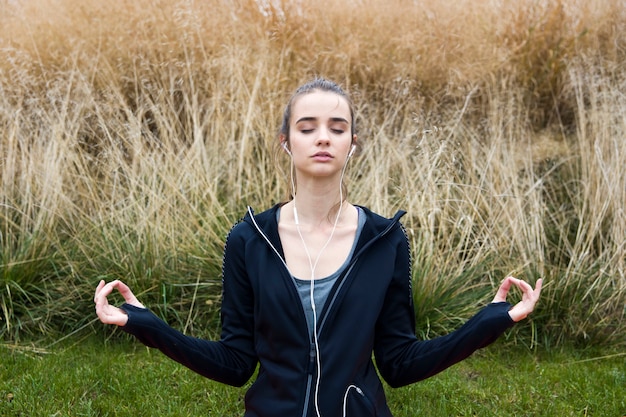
(369, 309)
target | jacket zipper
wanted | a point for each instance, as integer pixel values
(309, 380)
(307, 396)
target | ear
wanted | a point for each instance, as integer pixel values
(284, 144)
(354, 146)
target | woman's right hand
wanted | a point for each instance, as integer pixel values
(107, 313)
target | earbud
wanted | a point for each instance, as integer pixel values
(286, 148)
(352, 150)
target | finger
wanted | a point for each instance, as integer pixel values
(105, 289)
(126, 292)
(522, 309)
(101, 302)
(98, 289)
(101, 297)
(531, 293)
(534, 294)
(128, 295)
(523, 286)
(502, 292)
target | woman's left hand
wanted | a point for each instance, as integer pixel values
(529, 297)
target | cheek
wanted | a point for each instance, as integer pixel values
(298, 141)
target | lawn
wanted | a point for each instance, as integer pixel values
(120, 377)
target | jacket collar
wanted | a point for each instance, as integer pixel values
(375, 225)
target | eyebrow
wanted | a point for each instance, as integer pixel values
(313, 119)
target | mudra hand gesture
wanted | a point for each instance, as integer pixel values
(529, 297)
(107, 313)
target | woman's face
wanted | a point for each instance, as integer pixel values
(320, 133)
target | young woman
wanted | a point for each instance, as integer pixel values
(314, 286)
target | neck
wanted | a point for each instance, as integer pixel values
(318, 200)
(317, 203)
(316, 211)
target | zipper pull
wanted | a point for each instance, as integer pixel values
(312, 355)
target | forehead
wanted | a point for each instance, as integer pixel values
(321, 104)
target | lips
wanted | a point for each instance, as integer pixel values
(322, 155)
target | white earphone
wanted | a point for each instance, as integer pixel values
(352, 150)
(286, 148)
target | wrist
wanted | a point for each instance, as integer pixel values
(517, 317)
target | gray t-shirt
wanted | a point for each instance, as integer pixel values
(322, 286)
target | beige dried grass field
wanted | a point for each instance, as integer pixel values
(133, 134)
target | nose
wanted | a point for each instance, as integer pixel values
(323, 138)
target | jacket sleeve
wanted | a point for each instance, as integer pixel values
(232, 359)
(401, 358)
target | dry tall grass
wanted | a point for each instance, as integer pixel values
(134, 133)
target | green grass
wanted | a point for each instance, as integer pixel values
(117, 377)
